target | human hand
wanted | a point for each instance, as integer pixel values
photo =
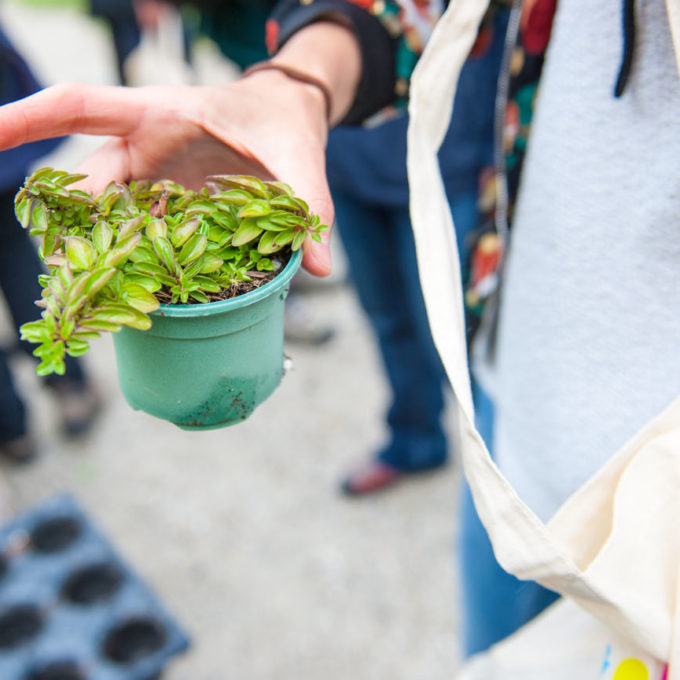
(266, 125)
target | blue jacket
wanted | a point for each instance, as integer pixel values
(17, 81)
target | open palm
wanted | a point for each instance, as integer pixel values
(260, 125)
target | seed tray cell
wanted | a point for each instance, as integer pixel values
(71, 608)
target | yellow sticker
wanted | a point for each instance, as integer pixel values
(631, 669)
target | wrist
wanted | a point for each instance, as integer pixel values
(299, 77)
(292, 98)
(329, 53)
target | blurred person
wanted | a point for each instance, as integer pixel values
(367, 176)
(76, 400)
(126, 20)
(588, 320)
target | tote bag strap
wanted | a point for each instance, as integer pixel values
(673, 9)
(520, 539)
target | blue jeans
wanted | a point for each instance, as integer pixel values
(495, 603)
(381, 255)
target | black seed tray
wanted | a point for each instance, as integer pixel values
(70, 607)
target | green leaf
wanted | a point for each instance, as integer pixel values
(53, 306)
(55, 260)
(255, 208)
(225, 220)
(288, 220)
(116, 196)
(267, 244)
(129, 227)
(202, 208)
(102, 325)
(193, 268)
(75, 290)
(50, 323)
(285, 237)
(142, 253)
(97, 279)
(181, 234)
(140, 298)
(217, 234)
(165, 252)
(85, 335)
(120, 253)
(233, 197)
(79, 252)
(41, 173)
(71, 309)
(302, 205)
(71, 179)
(149, 268)
(193, 249)
(279, 188)
(51, 188)
(39, 218)
(229, 253)
(250, 184)
(246, 232)
(123, 315)
(285, 203)
(35, 331)
(102, 235)
(207, 284)
(60, 283)
(23, 211)
(76, 348)
(51, 242)
(54, 366)
(67, 328)
(270, 224)
(298, 240)
(146, 282)
(156, 228)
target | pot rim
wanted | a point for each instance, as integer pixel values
(253, 296)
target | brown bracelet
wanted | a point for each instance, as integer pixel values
(294, 74)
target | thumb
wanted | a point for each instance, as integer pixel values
(308, 181)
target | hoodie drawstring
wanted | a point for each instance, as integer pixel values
(628, 46)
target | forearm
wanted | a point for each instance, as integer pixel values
(378, 46)
(330, 53)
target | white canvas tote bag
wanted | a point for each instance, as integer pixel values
(564, 643)
(613, 549)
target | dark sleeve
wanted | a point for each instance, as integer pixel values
(378, 48)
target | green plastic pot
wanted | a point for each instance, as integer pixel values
(205, 366)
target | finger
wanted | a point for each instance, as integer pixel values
(307, 177)
(110, 162)
(71, 108)
(316, 257)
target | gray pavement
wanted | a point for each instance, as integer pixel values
(241, 531)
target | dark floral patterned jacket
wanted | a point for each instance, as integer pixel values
(392, 35)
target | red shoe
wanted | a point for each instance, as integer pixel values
(370, 478)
